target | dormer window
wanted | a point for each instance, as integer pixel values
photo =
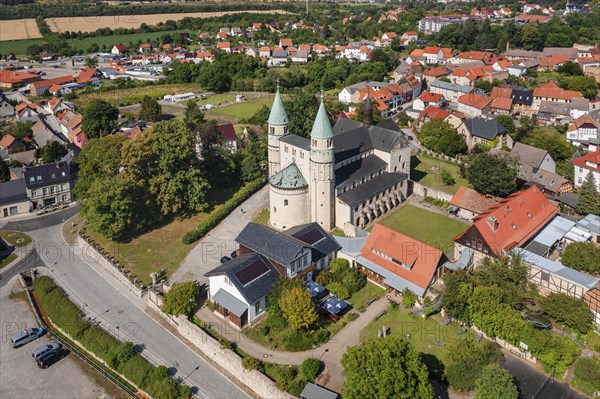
(514, 226)
(39, 179)
(529, 215)
(32, 180)
(53, 176)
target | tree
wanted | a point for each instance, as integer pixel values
(22, 130)
(508, 123)
(311, 368)
(570, 68)
(249, 167)
(439, 136)
(301, 107)
(569, 311)
(555, 39)
(468, 360)
(508, 273)
(586, 85)
(4, 171)
(181, 298)
(584, 256)
(385, 368)
(551, 140)
(496, 383)
(589, 197)
(493, 175)
(297, 307)
(193, 117)
(91, 62)
(151, 110)
(99, 116)
(587, 374)
(53, 151)
(455, 298)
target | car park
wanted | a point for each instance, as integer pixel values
(225, 259)
(49, 358)
(25, 336)
(42, 350)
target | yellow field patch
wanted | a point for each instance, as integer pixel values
(17, 29)
(90, 24)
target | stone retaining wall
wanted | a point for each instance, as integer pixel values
(424, 191)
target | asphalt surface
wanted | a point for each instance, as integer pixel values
(41, 222)
(108, 302)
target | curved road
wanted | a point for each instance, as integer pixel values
(108, 302)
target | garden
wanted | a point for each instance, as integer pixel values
(436, 173)
(294, 323)
(417, 223)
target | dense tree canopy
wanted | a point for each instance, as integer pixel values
(181, 298)
(99, 116)
(589, 197)
(385, 368)
(151, 110)
(53, 151)
(586, 85)
(571, 312)
(496, 383)
(467, 362)
(439, 136)
(297, 307)
(551, 140)
(584, 256)
(493, 175)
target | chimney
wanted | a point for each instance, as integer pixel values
(493, 223)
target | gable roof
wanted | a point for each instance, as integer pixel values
(475, 100)
(501, 103)
(270, 243)
(52, 173)
(514, 220)
(410, 259)
(12, 191)
(314, 235)
(487, 129)
(227, 132)
(471, 200)
(587, 161)
(552, 90)
(528, 155)
(432, 112)
(252, 274)
(7, 141)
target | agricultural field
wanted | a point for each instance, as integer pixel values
(18, 47)
(17, 29)
(109, 41)
(135, 94)
(90, 24)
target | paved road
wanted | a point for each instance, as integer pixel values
(118, 310)
(40, 222)
(19, 375)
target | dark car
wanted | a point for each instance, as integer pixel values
(233, 254)
(538, 321)
(225, 259)
(49, 358)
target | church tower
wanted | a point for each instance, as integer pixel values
(368, 111)
(278, 127)
(322, 191)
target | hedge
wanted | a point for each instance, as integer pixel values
(119, 355)
(222, 211)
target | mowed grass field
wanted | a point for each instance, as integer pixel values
(427, 171)
(16, 29)
(242, 110)
(429, 227)
(135, 95)
(90, 24)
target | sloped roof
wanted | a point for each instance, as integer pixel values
(471, 200)
(474, 100)
(528, 155)
(321, 127)
(516, 219)
(227, 132)
(402, 255)
(7, 140)
(278, 116)
(592, 157)
(314, 235)
(487, 129)
(501, 103)
(12, 191)
(289, 177)
(552, 90)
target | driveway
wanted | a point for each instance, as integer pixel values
(207, 253)
(19, 375)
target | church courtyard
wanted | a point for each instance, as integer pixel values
(426, 226)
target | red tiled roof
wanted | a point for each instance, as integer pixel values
(428, 97)
(514, 220)
(7, 141)
(584, 119)
(14, 77)
(223, 45)
(86, 74)
(501, 92)
(593, 158)
(437, 71)
(502, 103)
(402, 255)
(432, 112)
(227, 132)
(471, 200)
(431, 50)
(474, 100)
(552, 90)
(120, 47)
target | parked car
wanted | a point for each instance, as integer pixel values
(42, 350)
(25, 336)
(225, 259)
(234, 254)
(538, 321)
(49, 358)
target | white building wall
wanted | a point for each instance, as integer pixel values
(215, 283)
(581, 174)
(290, 154)
(288, 208)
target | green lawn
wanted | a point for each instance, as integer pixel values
(7, 260)
(243, 110)
(19, 47)
(361, 297)
(15, 238)
(135, 94)
(161, 248)
(422, 334)
(263, 217)
(217, 99)
(427, 171)
(429, 227)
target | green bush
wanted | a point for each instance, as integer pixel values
(221, 212)
(251, 363)
(339, 290)
(408, 298)
(298, 340)
(295, 387)
(587, 374)
(119, 355)
(311, 368)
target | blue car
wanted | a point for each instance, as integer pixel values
(25, 336)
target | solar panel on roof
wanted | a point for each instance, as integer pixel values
(312, 236)
(252, 272)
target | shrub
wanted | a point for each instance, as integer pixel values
(339, 290)
(324, 277)
(311, 368)
(572, 312)
(447, 178)
(251, 363)
(221, 212)
(296, 387)
(587, 374)
(408, 298)
(297, 340)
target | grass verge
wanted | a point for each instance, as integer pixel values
(6, 260)
(427, 170)
(15, 238)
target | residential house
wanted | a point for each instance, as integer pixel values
(6, 108)
(553, 93)
(88, 77)
(13, 198)
(450, 91)
(528, 18)
(51, 183)
(399, 262)
(552, 63)
(430, 113)
(473, 104)
(145, 48)
(501, 106)
(426, 99)
(522, 101)
(227, 137)
(582, 130)
(39, 87)
(46, 130)
(285, 43)
(485, 132)
(346, 95)
(433, 55)
(466, 77)
(239, 288)
(517, 70)
(433, 24)
(468, 203)
(550, 183)
(118, 49)
(264, 52)
(278, 58)
(469, 56)
(11, 145)
(57, 105)
(27, 112)
(433, 74)
(516, 54)
(409, 37)
(589, 163)
(510, 224)
(225, 46)
(301, 56)
(551, 113)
